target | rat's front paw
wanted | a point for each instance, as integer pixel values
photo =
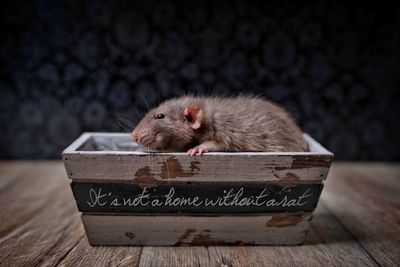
(197, 150)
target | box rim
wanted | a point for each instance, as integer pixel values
(72, 148)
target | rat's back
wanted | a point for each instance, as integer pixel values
(253, 124)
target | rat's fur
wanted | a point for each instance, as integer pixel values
(228, 124)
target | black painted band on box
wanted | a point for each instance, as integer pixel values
(196, 198)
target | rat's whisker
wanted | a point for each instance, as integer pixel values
(123, 123)
(125, 120)
(129, 123)
(148, 159)
(122, 126)
(133, 118)
(166, 164)
(145, 102)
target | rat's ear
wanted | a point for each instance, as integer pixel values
(193, 115)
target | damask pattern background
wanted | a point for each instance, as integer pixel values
(73, 66)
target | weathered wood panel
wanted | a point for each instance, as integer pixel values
(159, 167)
(32, 196)
(327, 243)
(176, 256)
(354, 225)
(156, 167)
(196, 230)
(216, 198)
(365, 198)
(84, 254)
(109, 179)
(39, 221)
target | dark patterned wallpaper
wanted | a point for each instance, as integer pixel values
(73, 66)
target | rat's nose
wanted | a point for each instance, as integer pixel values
(135, 136)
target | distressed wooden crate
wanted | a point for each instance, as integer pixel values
(131, 197)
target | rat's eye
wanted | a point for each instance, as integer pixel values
(160, 116)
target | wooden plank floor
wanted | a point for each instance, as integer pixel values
(357, 223)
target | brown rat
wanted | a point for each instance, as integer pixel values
(203, 124)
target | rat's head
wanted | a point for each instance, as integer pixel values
(168, 127)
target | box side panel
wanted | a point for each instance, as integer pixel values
(196, 230)
(315, 147)
(79, 142)
(226, 167)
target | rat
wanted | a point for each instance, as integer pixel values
(204, 124)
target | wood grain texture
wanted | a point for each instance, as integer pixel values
(152, 168)
(9, 175)
(156, 167)
(355, 224)
(196, 230)
(365, 198)
(41, 224)
(327, 244)
(175, 256)
(18, 190)
(85, 255)
(40, 220)
(101, 158)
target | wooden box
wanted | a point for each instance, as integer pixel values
(131, 197)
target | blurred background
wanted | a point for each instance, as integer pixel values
(72, 66)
